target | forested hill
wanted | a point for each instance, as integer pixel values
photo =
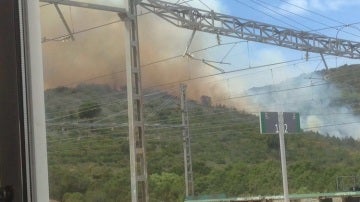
(88, 149)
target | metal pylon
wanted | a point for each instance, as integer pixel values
(189, 181)
(138, 168)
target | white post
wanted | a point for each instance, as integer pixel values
(283, 156)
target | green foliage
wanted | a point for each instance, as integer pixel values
(89, 157)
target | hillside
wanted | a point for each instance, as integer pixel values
(88, 148)
(328, 101)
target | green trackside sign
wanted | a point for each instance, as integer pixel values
(269, 122)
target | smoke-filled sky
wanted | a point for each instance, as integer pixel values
(97, 55)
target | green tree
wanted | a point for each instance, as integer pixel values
(167, 187)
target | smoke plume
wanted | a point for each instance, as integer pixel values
(97, 55)
(314, 99)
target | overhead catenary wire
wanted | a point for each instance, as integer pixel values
(342, 24)
(196, 124)
(116, 101)
(69, 115)
(256, 95)
(178, 56)
(145, 65)
(313, 12)
(268, 7)
(260, 2)
(196, 130)
(260, 11)
(221, 132)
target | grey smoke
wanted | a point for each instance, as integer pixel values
(313, 97)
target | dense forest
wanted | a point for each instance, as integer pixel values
(88, 152)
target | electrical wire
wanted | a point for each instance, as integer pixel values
(292, 88)
(267, 6)
(62, 37)
(288, 11)
(146, 65)
(66, 36)
(222, 132)
(221, 123)
(323, 16)
(313, 12)
(207, 133)
(267, 92)
(264, 13)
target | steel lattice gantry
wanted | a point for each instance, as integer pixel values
(226, 25)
